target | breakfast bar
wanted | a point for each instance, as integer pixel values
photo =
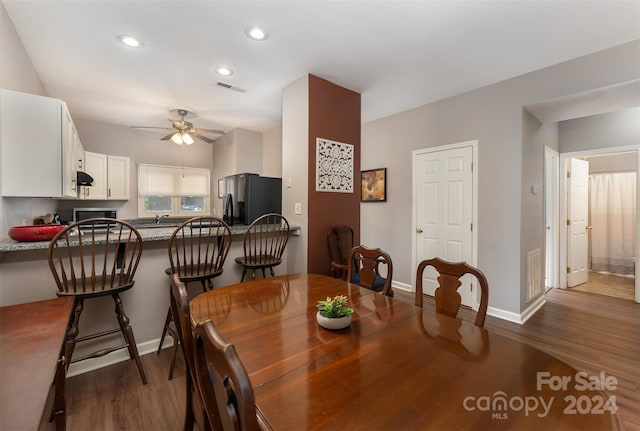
(25, 277)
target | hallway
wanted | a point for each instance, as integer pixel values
(608, 284)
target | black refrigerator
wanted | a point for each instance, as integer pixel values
(248, 196)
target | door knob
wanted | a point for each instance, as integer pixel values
(419, 229)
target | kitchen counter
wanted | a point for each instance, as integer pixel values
(149, 232)
(25, 277)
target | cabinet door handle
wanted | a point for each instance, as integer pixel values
(109, 194)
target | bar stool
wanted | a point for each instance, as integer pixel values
(90, 259)
(197, 251)
(264, 243)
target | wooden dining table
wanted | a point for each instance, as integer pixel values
(396, 367)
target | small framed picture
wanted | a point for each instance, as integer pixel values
(373, 185)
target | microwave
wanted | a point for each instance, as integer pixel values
(87, 213)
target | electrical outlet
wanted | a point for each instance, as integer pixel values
(297, 208)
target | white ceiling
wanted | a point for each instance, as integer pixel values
(397, 54)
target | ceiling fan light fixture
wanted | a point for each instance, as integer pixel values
(256, 33)
(187, 139)
(177, 138)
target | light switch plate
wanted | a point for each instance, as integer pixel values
(297, 208)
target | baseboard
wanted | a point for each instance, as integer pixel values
(515, 317)
(402, 286)
(115, 357)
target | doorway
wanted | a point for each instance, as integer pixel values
(610, 272)
(444, 211)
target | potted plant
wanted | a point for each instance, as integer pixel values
(333, 313)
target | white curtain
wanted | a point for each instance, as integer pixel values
(613, 221)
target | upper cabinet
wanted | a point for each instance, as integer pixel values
(110, 177)
(40, 146)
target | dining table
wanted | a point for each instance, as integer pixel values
(395, 367)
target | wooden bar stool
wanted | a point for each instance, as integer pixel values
(197, 251)
(264, 243)
(91, 259)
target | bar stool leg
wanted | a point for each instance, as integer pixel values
(167, 322)
(72, 329)
(128, 335)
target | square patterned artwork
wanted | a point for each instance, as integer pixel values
(334, 166)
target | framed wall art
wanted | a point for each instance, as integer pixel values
(334, 166)
(373, 185)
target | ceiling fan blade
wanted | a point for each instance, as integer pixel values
(151, 127)
(217, 132)
(166, 138)
(199, 136)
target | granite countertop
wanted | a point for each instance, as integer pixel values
(149, 232)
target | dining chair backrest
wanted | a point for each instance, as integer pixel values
(447, 298)
(340, 241)
(194, 411)
(226, 390)
(198, 248)
(94, 255)
(364, 269)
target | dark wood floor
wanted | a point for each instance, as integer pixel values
(590, 332)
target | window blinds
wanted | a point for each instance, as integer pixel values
(155, 180)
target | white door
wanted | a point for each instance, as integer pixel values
(578, 219)
(444, 212)
(551, 175)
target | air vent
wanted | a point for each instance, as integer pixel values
(230, 87)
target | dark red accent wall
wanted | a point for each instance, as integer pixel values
(334, 114)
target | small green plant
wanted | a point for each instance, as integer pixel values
(334, 308)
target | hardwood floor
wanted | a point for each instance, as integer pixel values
(609, 285)
(592, 333)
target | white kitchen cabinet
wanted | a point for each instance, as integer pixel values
(118, 176)
(96, 166)
(110, 177)
(38, 141)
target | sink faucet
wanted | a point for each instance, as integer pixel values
(159, 217)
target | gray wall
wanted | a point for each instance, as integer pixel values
(614, 129)
(493, 116)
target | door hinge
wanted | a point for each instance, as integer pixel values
(568, 222)
(569, 174)
(471, 166)
(568, 270)
(471, 227)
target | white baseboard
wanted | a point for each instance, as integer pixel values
(115, 357)
(515, 317)
(402, 286)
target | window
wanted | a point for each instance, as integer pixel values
(173, 190)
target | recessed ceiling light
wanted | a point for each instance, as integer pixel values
(224, 71)
(256, 33)
(130, 41)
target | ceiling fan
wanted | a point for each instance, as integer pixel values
(182, 130)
